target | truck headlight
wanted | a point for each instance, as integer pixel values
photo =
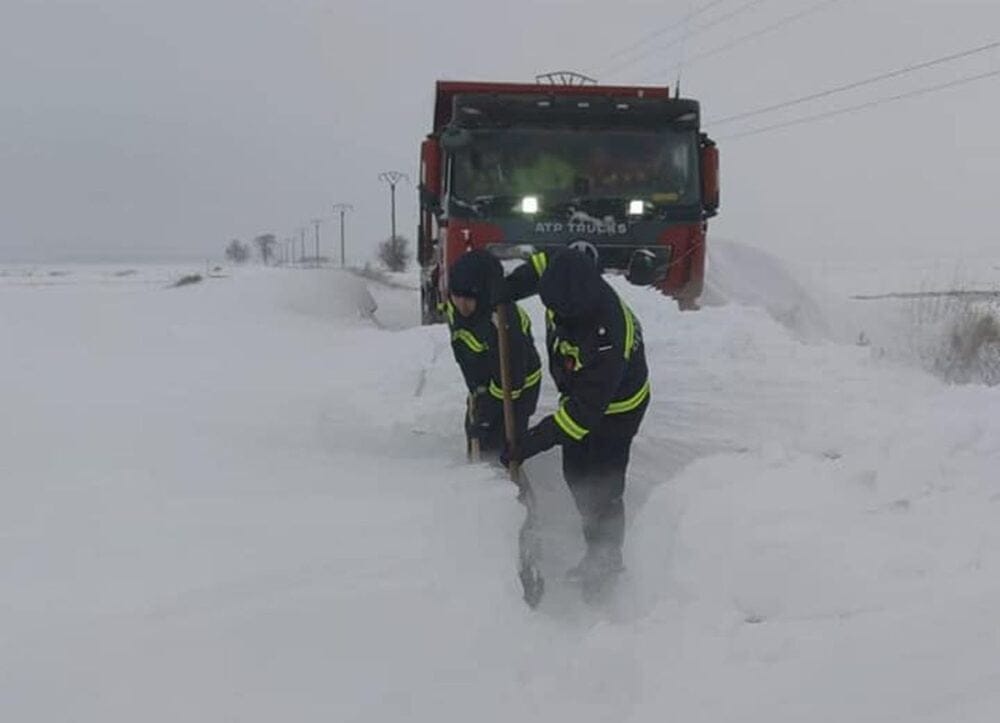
(636, 208)
(529, 204)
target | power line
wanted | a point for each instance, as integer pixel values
(857, 84)
(660, 31)
(788, 20)
(864, 106)
(687, 36)
(705, 27)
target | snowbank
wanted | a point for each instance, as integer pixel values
(244, 500)
(942, 317)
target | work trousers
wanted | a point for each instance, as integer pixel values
(594, 469)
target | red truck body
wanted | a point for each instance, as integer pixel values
(620, 172)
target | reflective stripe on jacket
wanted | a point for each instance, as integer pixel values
(598, 363)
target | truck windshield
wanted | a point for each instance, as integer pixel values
(561, 165)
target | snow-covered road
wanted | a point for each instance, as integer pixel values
(242, 500)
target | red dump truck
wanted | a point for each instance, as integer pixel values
(620, 172)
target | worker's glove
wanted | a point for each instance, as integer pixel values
(479, 431)
(538, 439)
(505, 456)
(480, 417)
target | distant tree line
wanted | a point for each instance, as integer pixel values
(394, 253)
(238, 252)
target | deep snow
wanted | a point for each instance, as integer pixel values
(244, 500)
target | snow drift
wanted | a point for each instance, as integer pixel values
(241, 500)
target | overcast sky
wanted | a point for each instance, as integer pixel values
(163, 128)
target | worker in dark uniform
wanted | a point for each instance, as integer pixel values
(598, 363)
(473, 284)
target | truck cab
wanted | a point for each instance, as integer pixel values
(621, 173)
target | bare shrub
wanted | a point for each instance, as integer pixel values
(237, 252)
(972, 353)
(394, 253)
(187, 281)
(266, 244)
(956, 335)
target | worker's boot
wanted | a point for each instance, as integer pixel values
(598, 573)
(600, 562)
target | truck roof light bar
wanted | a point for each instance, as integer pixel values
(481, 110)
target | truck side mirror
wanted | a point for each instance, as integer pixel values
(430, 176)
(641, 269)
(709, 176)
(430, 198)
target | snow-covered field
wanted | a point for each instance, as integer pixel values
(247, 500)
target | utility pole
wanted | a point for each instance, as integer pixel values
(342, 208)
(316, 222)
(392, 178)
(302, 244)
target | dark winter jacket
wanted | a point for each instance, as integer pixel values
(596, 353)
(479, 275)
